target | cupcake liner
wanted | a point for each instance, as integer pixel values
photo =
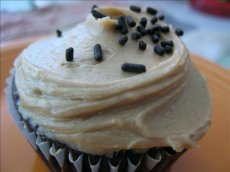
(76, 162)
(61, 158)
(132, 167)
(152, 162)
(44, 147)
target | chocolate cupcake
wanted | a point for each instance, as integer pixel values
(117, 92)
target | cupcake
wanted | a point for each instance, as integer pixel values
(117, 92)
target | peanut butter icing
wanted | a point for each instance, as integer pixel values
(98, 108)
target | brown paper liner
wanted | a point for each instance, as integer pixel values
(59, 157)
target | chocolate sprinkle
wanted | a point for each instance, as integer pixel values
(154, 20)
(142, 30)
(168, 49)
(135, 68)
(123, 39)
(157, 28)
(94, 6)
(161, 17)
(159, 50)
(117, 27)
(150, 31)
(135, 8)
(165, 43)
(157, 33)
(59, 33)
(165, 29)
(143, 21)
(130, 21)
(179, 32)
(97, 14)
(155, 38)
(142, 45)
(151, 10)
(122, 22)
(97, 52)
(69, 54)
(136, 35)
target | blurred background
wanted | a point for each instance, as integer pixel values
(206, 23)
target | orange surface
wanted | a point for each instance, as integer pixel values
(213, 156)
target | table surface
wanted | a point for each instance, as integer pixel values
(213, 156)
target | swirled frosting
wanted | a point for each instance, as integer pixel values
(98, 108)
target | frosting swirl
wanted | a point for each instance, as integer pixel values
(96, 107)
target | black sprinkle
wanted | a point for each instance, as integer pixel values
(154, 20)
(122, 22)
(135, 8)
(167, 43)
(143, 21)
(94, 6)
(142, 45)
(150, 31)
(97, 14)
(139, 28)
(157, 28)
(165, 29)
(168, 49)
(151, 10)
(130, 21)
(159, 50)
(179, 32)
(97, 52)
(157, 33)
(123, 39)
(135, 68)
(136, 35)
(161, 17)
(142, 30)
(69, 54)
(117, 27)
(155, 38)
(59, 33)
